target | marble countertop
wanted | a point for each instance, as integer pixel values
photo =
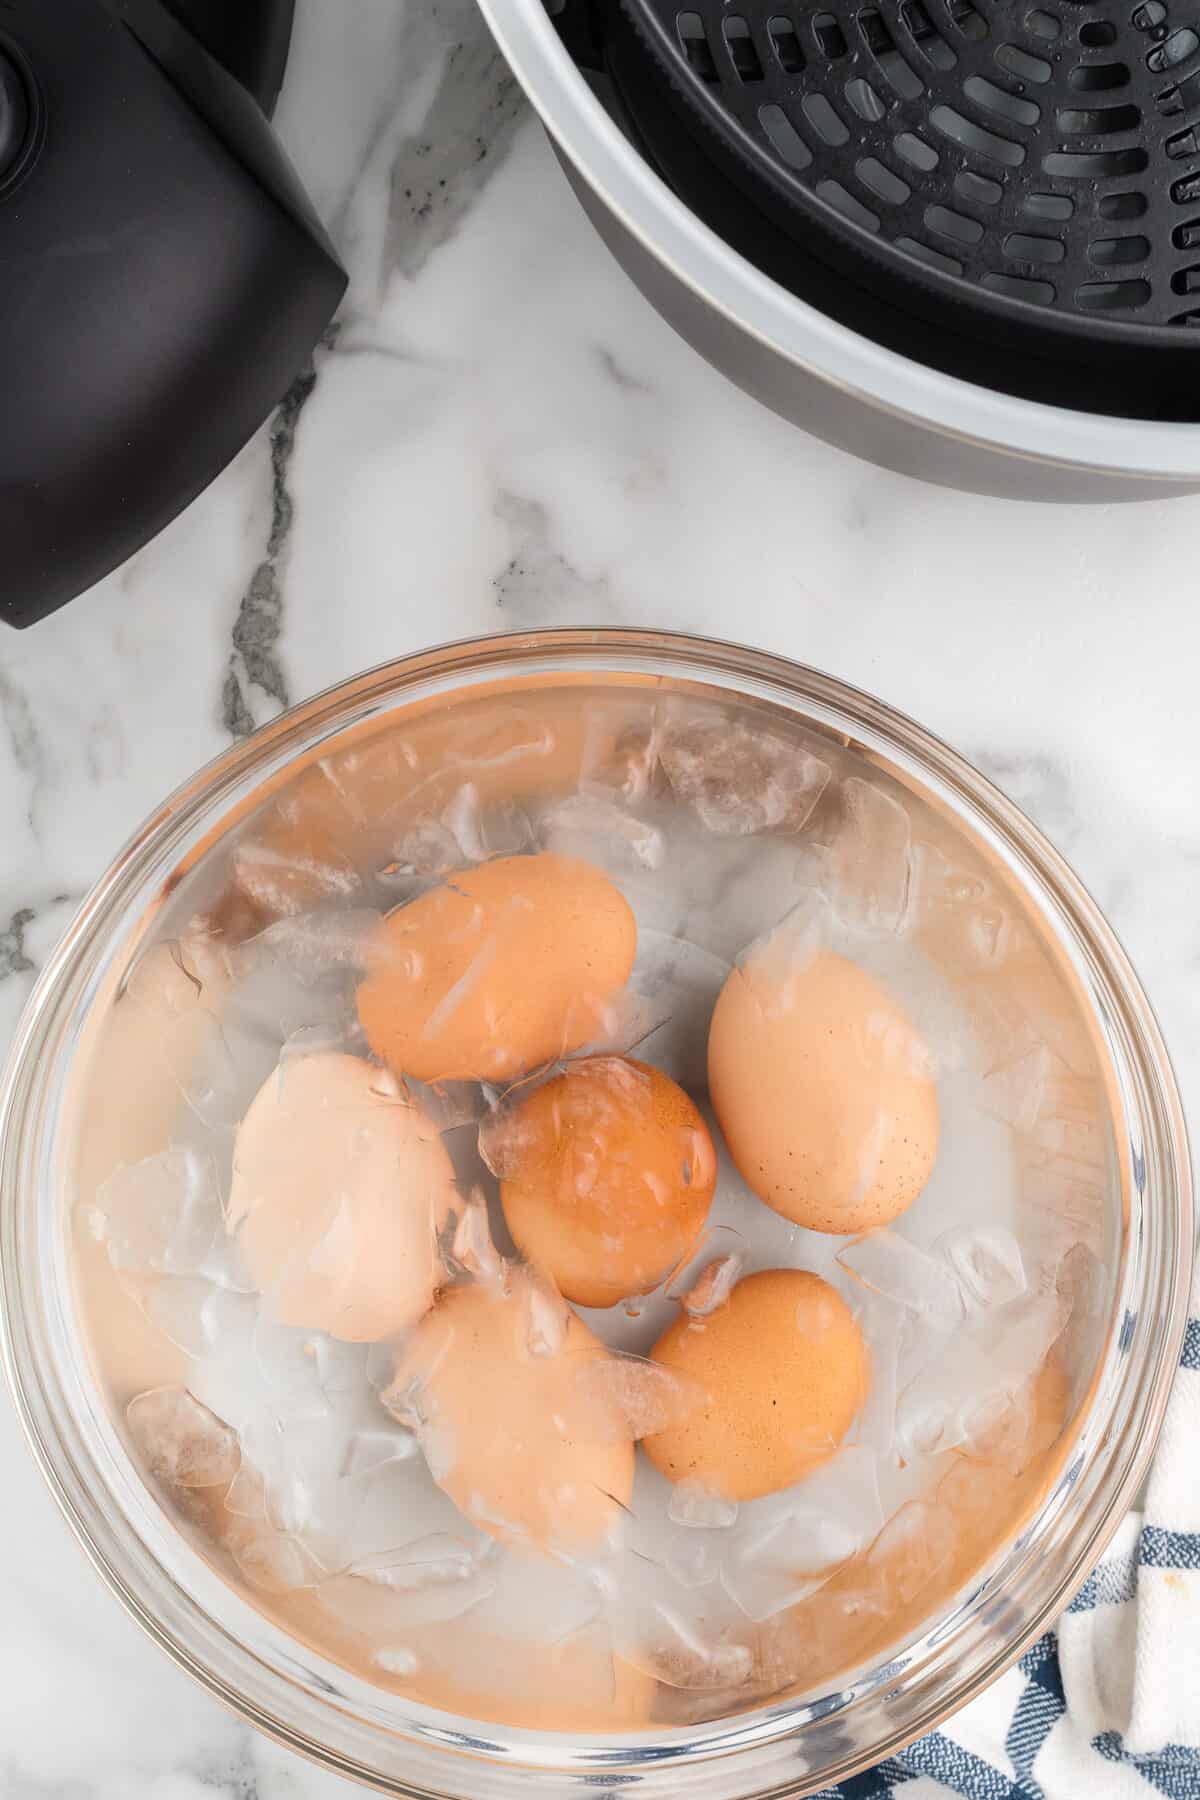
(501, 434)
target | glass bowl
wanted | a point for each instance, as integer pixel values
(1071, 976)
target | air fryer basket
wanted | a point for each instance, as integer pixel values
(1005, 190)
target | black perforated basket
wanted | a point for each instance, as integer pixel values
(1007, 190)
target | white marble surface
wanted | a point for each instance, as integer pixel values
(501, 435)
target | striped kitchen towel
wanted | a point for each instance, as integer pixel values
(1106, 1706)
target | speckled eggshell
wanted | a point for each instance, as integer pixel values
(785, 1370)
(823, 1090)
(505, 967)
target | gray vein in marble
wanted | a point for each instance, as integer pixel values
(619, 375)
(439, 172)
(538, 577)
(254, 662)
(16, 716)
(13, 960)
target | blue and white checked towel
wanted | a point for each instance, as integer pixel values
(1107, 1706)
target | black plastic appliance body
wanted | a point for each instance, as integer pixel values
(162, 274)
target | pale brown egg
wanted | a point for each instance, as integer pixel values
(607, 1174)
(505, 967)
(822, 1087)
(784, 1369)
(508, 1420)
(339, 1187)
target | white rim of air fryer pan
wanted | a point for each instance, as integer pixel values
(798, 333)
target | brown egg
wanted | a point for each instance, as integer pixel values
(607, 1177)
(338, 1190)
(505, 967)
(512, 1433)
(821, 1085)
(785, 1371)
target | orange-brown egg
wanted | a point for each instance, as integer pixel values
(822, 1088)
(508, 1420)
(507, 966)
(607, 1174)
(338, 1190)
(784, 1369)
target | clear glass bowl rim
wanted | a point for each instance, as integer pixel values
(774, 1750)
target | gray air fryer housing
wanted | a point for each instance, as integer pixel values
(162, 276)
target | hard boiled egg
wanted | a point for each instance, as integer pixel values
(338, 1189)
(506, 966)
(784, 1369)
(822, 1087)
(607, 1174)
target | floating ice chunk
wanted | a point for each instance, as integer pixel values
(427, 1562)
(633, 1397)
(887, 1264)
(619, 756)
(912, 1550)
(485, 828)
(547, 1320)
(164, 1216)
(278, 1564)
(872, 859)
(181, 1441)
(312, 947)
(597, 830)
(695, 1505)
(373, 1448)
(677, 1643)
(786, 1563)
(739, 780)
(876, 1428)
(987, 1262)
(985, 1363)
(692, 1562)
(1015, 1090)
(503, 737)
(712, 1286)
(198, 1316)
(428, 851)
(280, 884)
(247, 1495)
(472, 1249)
(285, 1357)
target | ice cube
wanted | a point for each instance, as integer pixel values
(632, 1397)
(247, 1496)
(426, 853)
(982, 1364)
(319, 946)
(278, 1564)
(737, 779)
(876, 1428)
(197, 1315)
(619, 756)
(987, 1261)
(887, 1264)
(599, 831)
(373, 1448)
(160, 1216)
(547, 1319)
(786, 1563)
(696, 1506)
(1015, 1090)
(279, 884)
(472, 1249)
(677, 1642)
(912, 1550)
(504, 737)
(485, 828)
(285, 1359)
(182, 1441)
(712, 1286)
(872, 859)
(427, 1562)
